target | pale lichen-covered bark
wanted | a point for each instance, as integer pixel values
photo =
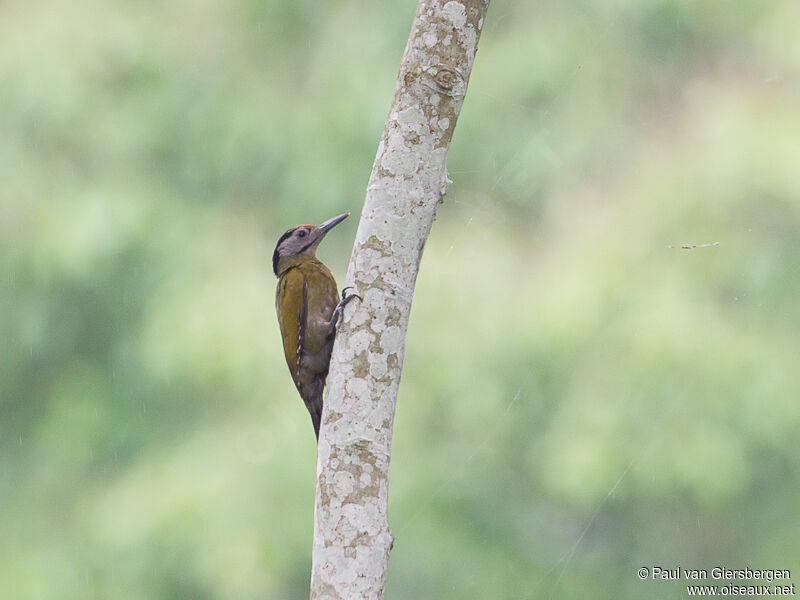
(351, 531)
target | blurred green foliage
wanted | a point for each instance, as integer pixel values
(580, 398)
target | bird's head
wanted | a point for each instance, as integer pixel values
(301, 240)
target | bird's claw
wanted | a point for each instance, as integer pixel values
(346, 297)
(337, 312)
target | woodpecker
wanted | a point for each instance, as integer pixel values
(308, 307)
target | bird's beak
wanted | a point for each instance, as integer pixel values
(323, 228)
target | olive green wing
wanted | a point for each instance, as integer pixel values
(291, 302)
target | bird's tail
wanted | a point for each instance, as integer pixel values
(312, 396)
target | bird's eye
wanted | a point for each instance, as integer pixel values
(302, 233)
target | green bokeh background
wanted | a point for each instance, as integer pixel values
(580, 398)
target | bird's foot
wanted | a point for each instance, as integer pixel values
(346, 298)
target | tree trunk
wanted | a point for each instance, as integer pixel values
(409, 178)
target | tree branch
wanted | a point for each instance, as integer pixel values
(409, 178)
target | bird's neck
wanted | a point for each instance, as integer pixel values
(290, 262)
